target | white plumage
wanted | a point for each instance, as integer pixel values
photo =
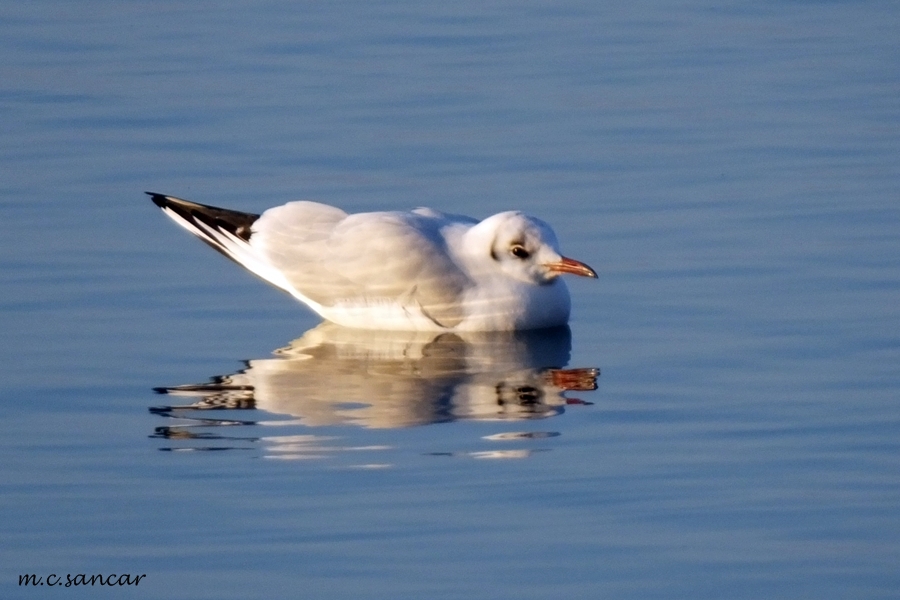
(420, 270)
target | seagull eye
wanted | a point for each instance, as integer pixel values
(519, 251)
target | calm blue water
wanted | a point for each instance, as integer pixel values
(731, 171)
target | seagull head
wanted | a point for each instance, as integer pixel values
(524, 248)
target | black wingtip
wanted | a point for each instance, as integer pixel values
(236, 223)
(158, 199)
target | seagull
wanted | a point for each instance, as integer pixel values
(421, 270)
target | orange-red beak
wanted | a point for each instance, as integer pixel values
(574, 267)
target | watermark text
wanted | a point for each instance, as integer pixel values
(79, 579)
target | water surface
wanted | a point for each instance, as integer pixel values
(731, 172)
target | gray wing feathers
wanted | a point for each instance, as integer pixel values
(330, 257)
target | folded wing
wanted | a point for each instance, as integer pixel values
(329, 259)
(364, 259)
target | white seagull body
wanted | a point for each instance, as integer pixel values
(416, 271)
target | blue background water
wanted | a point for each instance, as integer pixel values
(731, 170)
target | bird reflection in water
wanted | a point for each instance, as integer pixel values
(334, 376)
